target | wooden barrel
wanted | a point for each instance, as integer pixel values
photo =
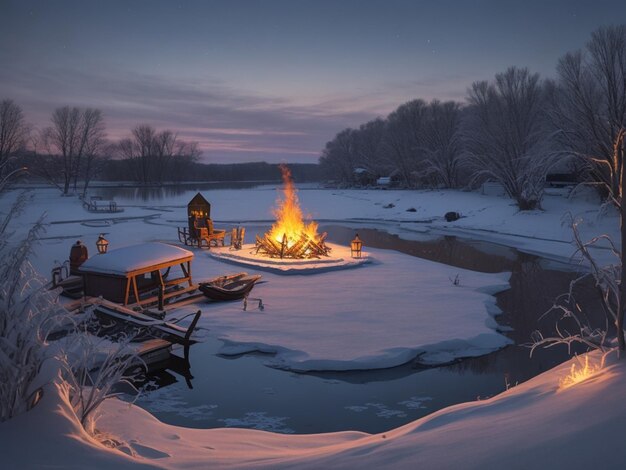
(78, 255)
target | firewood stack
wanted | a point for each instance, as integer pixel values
(304, 248)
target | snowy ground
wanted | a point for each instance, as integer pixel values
(382, 314)
(533, 425)
(492, 218)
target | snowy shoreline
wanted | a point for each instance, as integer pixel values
(514, 428)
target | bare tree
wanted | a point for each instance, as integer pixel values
(573, 326)
(506, 137)
(13, 132)
(185, 155)
(370, 150)
(165, 147)
(441, 141)
(589, 105)
(72, 143)
(155, 156)
(339, 158)
(92, 141)
(142, 149)
(403, 137)
(589, 112)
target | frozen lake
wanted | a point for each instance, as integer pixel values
(244, 392)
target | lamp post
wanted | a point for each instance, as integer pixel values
(356, 246)
(102, 244)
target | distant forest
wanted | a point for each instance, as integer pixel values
(517, 130)
(117, 170)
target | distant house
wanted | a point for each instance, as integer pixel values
(363, 177)
(384, 181)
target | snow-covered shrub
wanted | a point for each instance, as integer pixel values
(607, 282)
(91, 368)
(28, 313)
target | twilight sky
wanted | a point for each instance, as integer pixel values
(272, 80)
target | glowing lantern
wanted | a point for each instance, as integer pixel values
(356, 246)
(102, 244)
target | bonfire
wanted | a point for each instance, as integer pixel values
(290, 236)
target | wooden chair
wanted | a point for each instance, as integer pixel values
(206, 234)
(236, 238)
(216, 236)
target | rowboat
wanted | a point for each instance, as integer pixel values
(231, 287)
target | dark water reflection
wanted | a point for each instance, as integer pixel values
(159, 193)
(243, 392)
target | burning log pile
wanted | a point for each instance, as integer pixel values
(304, 247)
(290, 236)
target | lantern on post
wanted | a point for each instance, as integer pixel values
(102, 244)
(356, 246)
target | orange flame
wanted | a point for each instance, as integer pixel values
(289, 220)
(579, 374)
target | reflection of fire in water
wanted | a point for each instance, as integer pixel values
(290, 237)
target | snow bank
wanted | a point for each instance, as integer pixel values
(529, 426)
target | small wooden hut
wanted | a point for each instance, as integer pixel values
(128, 275)
(198, 209)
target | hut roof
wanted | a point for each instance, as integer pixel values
(123, 261)
(198, 199)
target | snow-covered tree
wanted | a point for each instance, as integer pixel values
(589, 106)
(404, 139)
(505, 134)
(442, 143)
(589, 113)
(369, 147)
(339, 157)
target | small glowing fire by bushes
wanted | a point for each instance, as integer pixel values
(290, 236)
(581, 373)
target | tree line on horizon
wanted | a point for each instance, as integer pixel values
(513, 129)
(73, 150)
